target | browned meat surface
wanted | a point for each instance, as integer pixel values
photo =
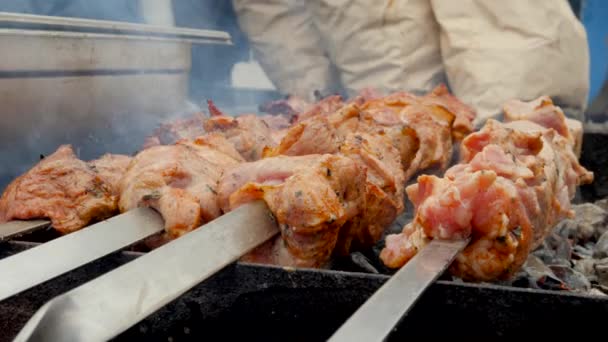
(384, 190)
(249, 134)
(464, 114)
(111, 168)
(422, 129)
(311, 197)
(60, 187)
(431, 123)
(543, 112)
(515, 182)
(180, 181)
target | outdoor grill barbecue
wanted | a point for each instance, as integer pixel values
(273, 303)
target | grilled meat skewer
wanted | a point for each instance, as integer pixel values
(514, 183)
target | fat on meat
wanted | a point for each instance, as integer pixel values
(180, 181)
(311, 197)
(515, 181)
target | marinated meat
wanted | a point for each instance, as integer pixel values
(545, 113)
(384, 195)
(311, 197)
(61, 187)
(249, 134)
(515, 182)
(464, 114)
(326, 106)
(290, 107)
(111, 168)
(180, 181)
(326, 133)
(431, 123)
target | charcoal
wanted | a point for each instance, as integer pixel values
(580, 252)
(541, 276)
(602, 288)
(573, 279)
(363, 262)
(555, 250)
(601, 248)
(562, 247)
(576, 231)
(587, 268)
(603, 203)
(520, 279)
(593, 215)
(596, 292)
(601, 269)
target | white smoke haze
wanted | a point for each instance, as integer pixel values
(92, 135)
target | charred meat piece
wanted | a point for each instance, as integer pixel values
(66, 190)
(180, 181)
(311, 197)
(514, 183)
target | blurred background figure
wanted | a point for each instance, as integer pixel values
(486, 51)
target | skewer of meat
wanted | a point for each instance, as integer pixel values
(381, 136)
(68, 191)
(180, 180)
(514, 182)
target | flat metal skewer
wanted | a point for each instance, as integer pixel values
(16, 228)
(51, 259)
(378, 316)
(101, 309)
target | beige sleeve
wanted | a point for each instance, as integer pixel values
(496, 50)
(390, 45)
(287, 45)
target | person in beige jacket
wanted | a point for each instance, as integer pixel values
(487, 51)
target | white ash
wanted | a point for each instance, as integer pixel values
(574, 257)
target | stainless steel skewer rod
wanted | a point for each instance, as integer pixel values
(104, 307)
(34, 266)
(378, 316)
(17, 228)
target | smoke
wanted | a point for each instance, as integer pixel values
(26, 134)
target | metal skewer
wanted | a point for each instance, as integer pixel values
(377, 317)
(104, 307)
(17, 228)
(51, 259)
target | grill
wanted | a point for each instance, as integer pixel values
(273, 303)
